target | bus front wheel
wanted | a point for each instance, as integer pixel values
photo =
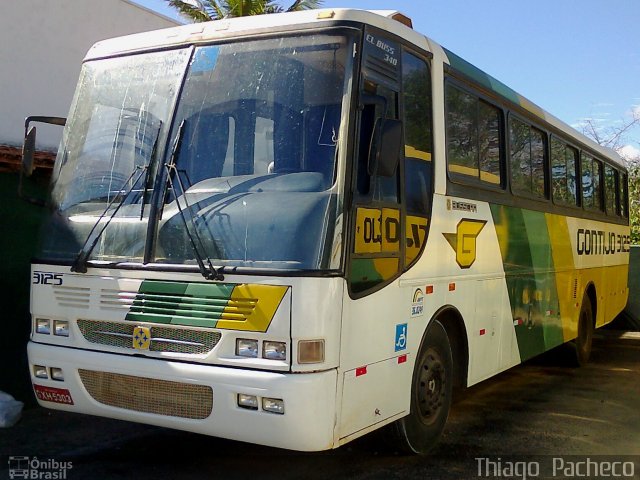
(431, 394)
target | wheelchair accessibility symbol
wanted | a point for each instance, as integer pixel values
(401, 337)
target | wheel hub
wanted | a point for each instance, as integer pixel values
(432, 387)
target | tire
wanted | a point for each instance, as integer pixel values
(582, 343)
(431, 388)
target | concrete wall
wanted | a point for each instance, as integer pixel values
(42, 44)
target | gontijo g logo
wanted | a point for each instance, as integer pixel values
(464, 240)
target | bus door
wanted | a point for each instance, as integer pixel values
(388, 230)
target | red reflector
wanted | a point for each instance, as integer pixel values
(361, 371)
(55, 395)
(483, 331)
(402, 358)
(452, 287)
(429, 289)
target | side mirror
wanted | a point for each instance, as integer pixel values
(28, 151)
(386, 147)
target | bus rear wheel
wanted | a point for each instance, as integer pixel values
(582, 343)
(431, 392)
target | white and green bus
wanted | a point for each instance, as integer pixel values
(297, 228)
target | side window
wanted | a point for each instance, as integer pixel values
(611, 190)
(377, 226)
(624, 195)
(527, 146)
(418, 165)
(586, 173)
(563, 171)
(473, 137)
(598, 187)
(489, 143)
(379, 188)
(591, 172)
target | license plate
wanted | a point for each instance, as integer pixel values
(55, 395)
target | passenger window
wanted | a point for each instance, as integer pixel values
(623, 194)
(527, 148)
(473, 137)
(611, 191)
(563, 171)
(591, 170)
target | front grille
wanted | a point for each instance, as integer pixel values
(116, 299)
(149, 395)
(76, 297)
(163, 339)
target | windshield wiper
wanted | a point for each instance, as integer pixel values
(208, 271)
(80, 263)
(146, 187)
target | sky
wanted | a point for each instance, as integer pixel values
(577, 59)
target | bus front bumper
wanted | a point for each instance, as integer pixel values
(172, 394)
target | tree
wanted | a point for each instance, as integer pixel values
(612, 136)
(615, 137)
(207, 10)
(634, 198)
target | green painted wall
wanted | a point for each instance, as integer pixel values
(20, 222)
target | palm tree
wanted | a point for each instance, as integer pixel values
(207, 10)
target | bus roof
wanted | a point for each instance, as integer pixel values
(221, 29)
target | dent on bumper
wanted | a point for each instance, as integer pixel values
(309, 399)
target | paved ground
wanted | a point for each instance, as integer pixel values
(534, 411)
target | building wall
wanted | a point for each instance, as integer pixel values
(42, 44)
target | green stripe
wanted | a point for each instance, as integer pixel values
(482, 78)
(530, 277)
(180, 303)
(211, 290)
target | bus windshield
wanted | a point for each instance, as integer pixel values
(252, 149)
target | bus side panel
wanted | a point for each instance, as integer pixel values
(463, 270)
(550, 261)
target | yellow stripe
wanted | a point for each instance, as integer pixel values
(473, 172)
(610, 282)
(531, 107)
(267, 299)
(566, 274)
(412, 152)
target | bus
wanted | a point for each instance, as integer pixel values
(297, 228)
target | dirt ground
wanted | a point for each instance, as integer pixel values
(534, 412)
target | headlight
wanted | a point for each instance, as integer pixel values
(40, 371)
(248, 401)
(43, 325)
(274, 350)
(56, 374)
(273, 405)
(61, 328)
(247, 348)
